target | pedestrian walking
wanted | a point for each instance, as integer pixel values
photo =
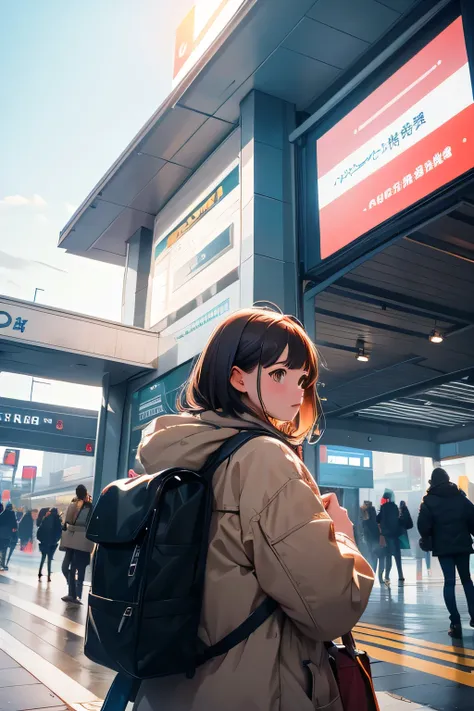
(391, 528)
(446, 526)
(406, 524)
(12, 546)
(8, 528)
(48, 534)
(376, 551)
(77, 548)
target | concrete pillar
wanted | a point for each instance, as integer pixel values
(268, 260)
(110, 437)
(137, 273)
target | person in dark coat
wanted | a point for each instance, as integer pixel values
(376, 553)
(8, 527)
(391, 528)
(49, 535)
(41, 515)
(446, 525)
(25, 530)
(13, 544)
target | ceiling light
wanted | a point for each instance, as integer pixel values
(362, 356)
(436, 336)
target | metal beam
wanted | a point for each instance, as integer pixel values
(372, 324)
(335, 346)
(438, 245)
(392, 297)
(407, 391)
(363, 299)
(443, 402)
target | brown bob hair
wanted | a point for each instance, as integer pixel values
(248, 339)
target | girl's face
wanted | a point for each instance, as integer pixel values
(281, 389)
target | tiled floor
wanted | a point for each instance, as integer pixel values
(405, 632)
(21, 691)
(415, 663)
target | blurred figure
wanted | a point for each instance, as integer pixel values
(375, 552)
(41, 515)
(78, 548)
(406, 524)
(446, 524)
(49, 535)
(25, 530)
(391, 528)
(13, 543)
(8, 528)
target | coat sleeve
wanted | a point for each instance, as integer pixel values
(407, 520)
(470, 515)
(425, 521)
(319, 578)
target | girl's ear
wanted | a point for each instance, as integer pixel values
(237, 379)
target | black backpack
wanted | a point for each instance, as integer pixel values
(148, 572)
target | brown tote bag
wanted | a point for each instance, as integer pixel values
(351, 668)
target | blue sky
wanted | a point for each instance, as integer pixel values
(78, 79)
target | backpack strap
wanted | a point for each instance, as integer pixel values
(229, 448)
(241, 633)
(268, 606)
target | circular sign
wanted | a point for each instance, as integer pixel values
(59, 425)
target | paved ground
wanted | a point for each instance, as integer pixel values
(415, 663)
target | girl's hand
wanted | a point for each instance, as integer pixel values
(342, 522)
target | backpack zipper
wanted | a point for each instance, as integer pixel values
(134, 562)
(128, 613)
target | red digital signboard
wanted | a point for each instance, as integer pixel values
(29, 473)
(408, 138)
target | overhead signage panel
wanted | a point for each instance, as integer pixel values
(26, 425)
(410, 137)
(199, 29)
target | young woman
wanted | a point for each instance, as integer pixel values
(49, 535)
(272, 534)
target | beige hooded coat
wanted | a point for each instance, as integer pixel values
(270, 536)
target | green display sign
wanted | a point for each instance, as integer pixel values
(155, 399)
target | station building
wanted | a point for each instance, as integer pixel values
(318, 155)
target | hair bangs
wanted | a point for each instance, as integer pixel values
(301, 351)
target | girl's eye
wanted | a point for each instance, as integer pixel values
(278, 375)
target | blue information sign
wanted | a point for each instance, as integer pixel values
(345, 467)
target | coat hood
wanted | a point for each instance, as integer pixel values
(445, 490)
(189, 440)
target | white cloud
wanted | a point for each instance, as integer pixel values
(42, 219)
(21, 201)
(71, 209)
(38, 201)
